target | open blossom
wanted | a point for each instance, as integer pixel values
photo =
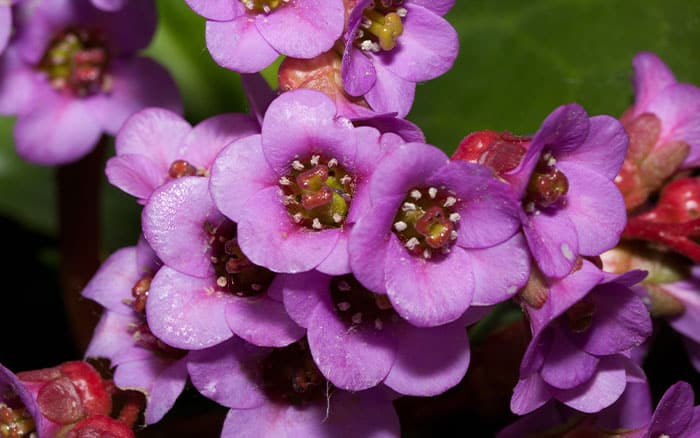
(296, 190)
(156, 145)
(248, 35)
(583, 328)
(280, 392)
(141, 361)
(390, 45)
(439, 236)
(570, 205)
(358, 341)
(71, 73)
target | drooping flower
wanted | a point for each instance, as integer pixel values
(358, 341)
(439, 235)
(156, 145)
(570, 206)
(280, 392)
(390, 45)
(142, 362)
(248, 35)
(71, 73)
(584, 326)
(296, 190)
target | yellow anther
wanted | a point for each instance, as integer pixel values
(387, 28)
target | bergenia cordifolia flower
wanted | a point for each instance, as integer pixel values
(322, 73)
(296, 190)
(583, 328)
(51, 400)
(72, 73)
(358, 341)
(674, 416)
(439, 236)
(248, 35)
(156, 145)
(209, 290)
(141, 361)
(390, 45)
(571, 206)
(281, 392)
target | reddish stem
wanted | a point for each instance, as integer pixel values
(79, 187)
(676, 236)
(134, 404)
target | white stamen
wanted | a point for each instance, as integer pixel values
(408, 206)
(316, 224)
(314, 160)
(343, 286)
(366, 45)
(445, 250)
(332, 163)
(249, 5)
(378, 324)
(454, 217)
(343, 306)
(529, 207)
(298, 217)
(402, 12)
(366, 22)
(285, 181)
(221, 281)
(256, 287)
(214, 260)
(346, 179)
(267, 9)
(453, 235)
(416, 194)
(376, 47)
(450, 201)
(432, 192)
(427, 254)
(551, 162)
(337, 218)
(359, 34)
(412, 243)
(296, 164)
(357, 318)
(400, 226)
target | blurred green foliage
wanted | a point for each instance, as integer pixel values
(518, 60)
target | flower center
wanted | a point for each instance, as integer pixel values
(15, 423)
(180, 168)
(290, 375)
(76, 62)
(427, 222)
(381, 25)
(265, 6)
(357, 306)
(547, 185)
(580, 315)
(318, 192)
(234, 272)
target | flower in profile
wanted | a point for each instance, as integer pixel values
(390, 45)
(141, 361)
(664, 129)
(296, 190)
(71, 73)
(584, 326)
(438, 236)
(358, 341)
(156, 145)
(281, 392)
(570, 205)
(51, 400)
(248, 35)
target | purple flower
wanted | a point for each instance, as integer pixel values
(280, 392)
(358, 341)
(582, 334)
(438, 236)
(676, 105)
(570, 203)
(674, 416)
(296, 190)
(71, 74)
(208, 289)
(248, 35)
(142, 362)
(156, 145)
(390, 45)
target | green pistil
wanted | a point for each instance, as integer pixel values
(426, 221)
(318, 192)
(547, 185)
(381, 26)
(15, 423)
(265, 6)
(76, 62)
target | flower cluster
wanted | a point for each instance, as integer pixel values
(308, 263)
